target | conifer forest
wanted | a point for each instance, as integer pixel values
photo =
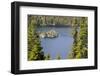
(57, 37)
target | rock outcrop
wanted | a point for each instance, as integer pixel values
(48, 34)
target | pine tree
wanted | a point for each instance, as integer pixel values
(79, 49)
(58, 57)
(83, 39)
(34, 47)
(47, 57)
(75, 37)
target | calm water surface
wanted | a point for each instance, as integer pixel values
(60, 45)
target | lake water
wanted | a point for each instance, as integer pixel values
(60, 45)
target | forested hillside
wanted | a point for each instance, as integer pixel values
(55, 20)
(80, 35)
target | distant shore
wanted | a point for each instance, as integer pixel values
(56, 25)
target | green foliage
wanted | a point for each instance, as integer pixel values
(74, 21)
(47, 57)
(80, 48)
(58, 57)
(61, 20)
(34, 47)
(78, 55)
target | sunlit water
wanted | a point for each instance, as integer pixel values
(60, 45)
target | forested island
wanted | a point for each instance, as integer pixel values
(79, 47)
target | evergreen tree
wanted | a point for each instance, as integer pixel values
(47, 57)
(58, 57)
(83, 39)
(34, 47)
(80, 48)
(75, 37)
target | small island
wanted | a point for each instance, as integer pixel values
(57, 37)
(48, 34)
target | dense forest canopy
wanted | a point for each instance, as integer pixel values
(55, 20)
(79, 48)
